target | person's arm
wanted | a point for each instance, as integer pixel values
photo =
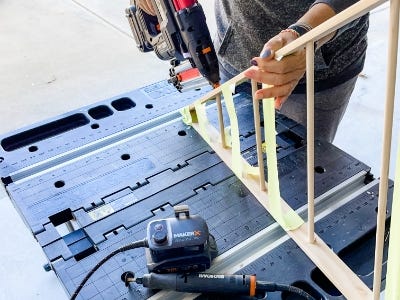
(284, 75)
(337, 5)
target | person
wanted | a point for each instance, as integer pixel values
(244, 28)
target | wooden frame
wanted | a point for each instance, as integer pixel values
(329, 263)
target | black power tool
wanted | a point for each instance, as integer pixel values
(178, 32)
(174, 245)
(177, 249)
(245, 285)
(180, 244)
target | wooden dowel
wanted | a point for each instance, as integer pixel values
(387, 137)
(220, 119)
(310, 138)
(257, 127)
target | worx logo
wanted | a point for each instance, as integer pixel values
(187, 234)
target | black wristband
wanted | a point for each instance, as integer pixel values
(300, 28)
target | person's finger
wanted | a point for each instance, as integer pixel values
(151, 8)
(268, 51)
(275, 91)
(296, 60)
(274, 44)
(273, 78)
(147, 7)
(270, 47)
(279, 101)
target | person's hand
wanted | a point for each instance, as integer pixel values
(147, 7)
(282, 75)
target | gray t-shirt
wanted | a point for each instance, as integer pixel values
(244, 26)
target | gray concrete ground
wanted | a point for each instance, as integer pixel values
(56, 56)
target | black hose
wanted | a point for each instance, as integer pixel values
(134, 245)
(274, 287)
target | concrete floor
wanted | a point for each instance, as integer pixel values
(56, 56)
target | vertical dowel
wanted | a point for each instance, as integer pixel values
(257, 127)
(310, 138)
(387, 137)
(220, 119)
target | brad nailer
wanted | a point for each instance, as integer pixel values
(177, 32)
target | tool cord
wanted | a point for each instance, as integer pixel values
(263, 286)
(138, 244)
(274, 287)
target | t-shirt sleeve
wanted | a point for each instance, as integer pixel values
(337, 5)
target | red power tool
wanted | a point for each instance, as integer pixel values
(178, 32)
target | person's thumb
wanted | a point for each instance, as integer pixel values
(268, 51)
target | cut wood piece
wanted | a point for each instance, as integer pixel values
(220, 120)
(310, 138)
(257, 127)
(386, 145)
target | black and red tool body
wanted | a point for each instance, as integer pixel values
(178, 32)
